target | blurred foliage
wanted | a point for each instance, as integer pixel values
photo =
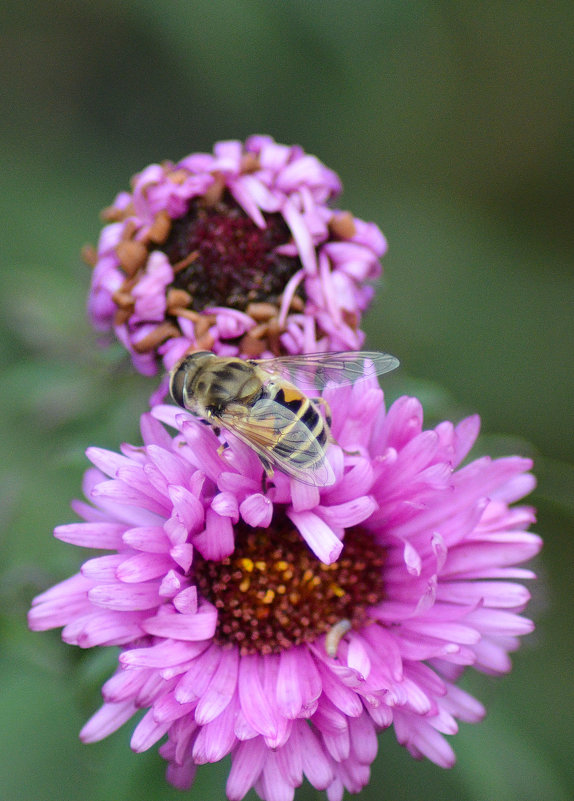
(451, 125)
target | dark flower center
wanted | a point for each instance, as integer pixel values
(222, 258)
(273, 593)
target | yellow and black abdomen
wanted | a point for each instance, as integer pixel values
(307, 433)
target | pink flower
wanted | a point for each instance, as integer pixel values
(237, 252)
(238, 640)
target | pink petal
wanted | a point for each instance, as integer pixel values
(316, 766)
(107, 536)
(59, 604)
(318, 535)
(490, 593)
(301, 236)
(289, 760)
(453, 632)
(255, 704)
(125, 597)
(466, 433)
(257, 510)
(272, 785)
(195, 680)
(188, 511)
(338, 744)
(246, 765)
(350, 513)
(363, 739)
(358, 657)
(151, 539)
(106, 627)
(225, 504)
(129, 495)
(216, 737)
(186, 601)
(344, 698)
(162, 654)
(221, 688)
(147, 733)
(102, 568)
(217, 540)
(190, 628)
(107, 720)
(289, 695)
(495, 621)
(171, 584)
(143, 567)
(108, 462)
(303, 496)
(182, 555)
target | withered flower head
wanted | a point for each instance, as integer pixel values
(238, 252)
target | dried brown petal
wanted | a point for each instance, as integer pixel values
(90, 255)
(214, 193)
(123, 299)
(251, 346)
(156, 337)
(342, 225)
(177, 298)
(160, 228)
(132, 255)
(261, 312)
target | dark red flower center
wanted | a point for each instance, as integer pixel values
(223, 259)
(272, 593)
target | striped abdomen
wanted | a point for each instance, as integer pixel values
(312, 432)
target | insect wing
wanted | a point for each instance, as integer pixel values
(316, 370)
(277, 435)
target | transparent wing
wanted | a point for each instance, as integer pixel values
(279, 438)
(315, 370)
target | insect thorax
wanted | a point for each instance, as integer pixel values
(218, 385)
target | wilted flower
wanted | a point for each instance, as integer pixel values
(238, 640)
(237, 252)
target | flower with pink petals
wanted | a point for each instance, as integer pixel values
(238, 640)
(238, 252)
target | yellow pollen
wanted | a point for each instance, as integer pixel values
(287, 575)
(262, 566)
(245, 584)
(339, 592)
(307, 576)
(281, 565)
(268, 597)
(246, 564)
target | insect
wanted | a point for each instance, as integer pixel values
(258, 401)
(335, 635)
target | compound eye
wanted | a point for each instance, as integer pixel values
(177, 383)
(183, 373)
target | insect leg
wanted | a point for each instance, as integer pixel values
(223, 447)
(268, 473)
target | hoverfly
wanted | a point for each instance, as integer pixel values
(259, 402)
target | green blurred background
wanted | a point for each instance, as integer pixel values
(452, 126)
